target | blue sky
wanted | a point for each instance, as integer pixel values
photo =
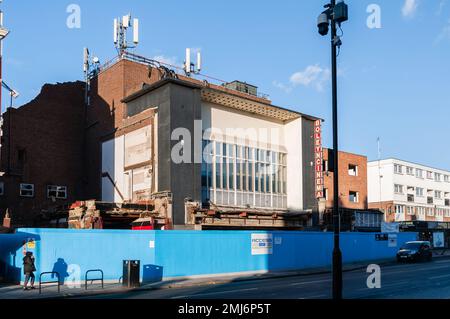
(394, 81)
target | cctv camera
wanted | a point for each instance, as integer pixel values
(322, 23)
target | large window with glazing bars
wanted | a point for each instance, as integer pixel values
(243, 176)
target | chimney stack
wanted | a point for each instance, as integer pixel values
(7, 220)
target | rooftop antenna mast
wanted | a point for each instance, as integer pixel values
(189, 67)
(90, 69)
(121, 26)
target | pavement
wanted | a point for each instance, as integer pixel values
(188, 287)
(422, 280)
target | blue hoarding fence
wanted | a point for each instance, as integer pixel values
(175, 254)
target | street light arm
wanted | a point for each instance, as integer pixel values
(13, 92)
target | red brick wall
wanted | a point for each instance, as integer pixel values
(49, 129)
(347, 182)
(106, 114)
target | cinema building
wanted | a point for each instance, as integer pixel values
(223, 155)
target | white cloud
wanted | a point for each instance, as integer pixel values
(167, 60)
(409, 8)
(174, 60)
(312, 76)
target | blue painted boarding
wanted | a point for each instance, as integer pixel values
(167, 254)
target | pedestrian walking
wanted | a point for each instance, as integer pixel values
(28, 269)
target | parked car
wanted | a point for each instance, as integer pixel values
(415, 251)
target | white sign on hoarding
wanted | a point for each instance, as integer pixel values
(262, 244)
(389, 227)
(438, 240)
(392, 240)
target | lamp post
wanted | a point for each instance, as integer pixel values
(3, 33)
(335, 14)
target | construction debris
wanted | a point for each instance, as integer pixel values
(217, 217)
(92, 214)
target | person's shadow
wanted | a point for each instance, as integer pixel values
(61, 268)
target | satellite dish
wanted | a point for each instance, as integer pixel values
(96, 60)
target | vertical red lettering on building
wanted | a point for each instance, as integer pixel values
(318, 158)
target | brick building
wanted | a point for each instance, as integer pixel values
(355, 215)
(352, 180)
(41, 152)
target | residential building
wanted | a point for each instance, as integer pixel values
(407, 191)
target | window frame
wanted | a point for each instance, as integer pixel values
(409, 170)
(21, 185)
(356, 170)
(400, 187)
(419, 173)
(398, 169)
(57, 190)
(356, 197)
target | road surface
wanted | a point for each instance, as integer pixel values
(420, 280)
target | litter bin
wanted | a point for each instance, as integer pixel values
(131, 270)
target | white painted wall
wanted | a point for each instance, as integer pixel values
(390, 179)
(294, 164)
(374, 170)
(410, 182)
(138, 146)
(281, 137)
(259, 131)
(130, 149)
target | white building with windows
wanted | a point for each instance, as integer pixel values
(225, 149)
(407, 191)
